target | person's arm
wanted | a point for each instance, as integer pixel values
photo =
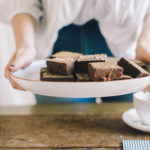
(24, 30)
(143, 45)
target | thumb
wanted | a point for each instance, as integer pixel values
(17, 64)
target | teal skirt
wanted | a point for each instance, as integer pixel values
(86, 39)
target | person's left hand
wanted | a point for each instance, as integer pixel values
(20, 60)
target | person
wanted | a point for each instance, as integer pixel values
(8, 95)
(122, 28)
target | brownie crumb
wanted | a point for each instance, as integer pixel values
(82, 77)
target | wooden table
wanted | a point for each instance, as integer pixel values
(66, 126)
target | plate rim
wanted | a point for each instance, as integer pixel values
(21, 77)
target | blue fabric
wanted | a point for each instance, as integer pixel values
(136, 145)
(47, 100)
(86, 39)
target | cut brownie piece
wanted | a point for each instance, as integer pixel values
(112, 59)
(61, 66)
(140, 63)
(123, 77)
(82, 77)
(65, 54)
(148, 68)
(104, 71)
(132, 69)
(46, 76)
(42, 71)
(83, 61)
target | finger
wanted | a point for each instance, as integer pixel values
(16, 64)
(12, 68)
(6, 73)
(147, 89)
(13, 83)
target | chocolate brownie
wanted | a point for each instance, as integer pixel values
(61, 66)
(104, 71)
(112, 59)
(132, 69)
(46, 76)
(65, 54)
(82, 77)
(148, 68)
(83, 61)
(123, 77)
(140, 63)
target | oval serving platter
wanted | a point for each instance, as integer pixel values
(29, 79)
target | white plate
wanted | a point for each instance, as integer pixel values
(29, 79)
(131, 118)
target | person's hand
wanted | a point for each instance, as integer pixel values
(20, 60)
(143, 53)
(143, 42)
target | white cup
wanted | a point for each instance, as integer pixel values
(142, 104)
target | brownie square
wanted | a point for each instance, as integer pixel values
(41, 72)
(81, 77)
(123, 77)
(46, 76)
(61, 66)
(112, 59)
(140, 63)
(132, 69)
(83, 61)
(104, 71)
(65, 54)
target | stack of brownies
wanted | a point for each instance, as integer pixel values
(69, 66)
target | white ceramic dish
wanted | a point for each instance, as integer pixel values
(131, 118)
(29, 79)
(142, 104)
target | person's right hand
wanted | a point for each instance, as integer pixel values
(20, 60)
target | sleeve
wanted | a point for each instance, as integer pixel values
(67, 10)
(10, 8)
(148, 8)
(58, 13)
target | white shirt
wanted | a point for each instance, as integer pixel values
(120, 21)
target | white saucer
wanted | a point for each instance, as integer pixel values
(131, 118)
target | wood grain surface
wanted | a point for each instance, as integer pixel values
(75, 126)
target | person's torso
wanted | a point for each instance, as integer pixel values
(120, 21)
